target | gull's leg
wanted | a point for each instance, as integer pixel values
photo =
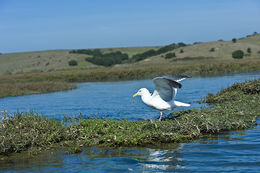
(161, 116)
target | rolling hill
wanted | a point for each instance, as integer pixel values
(57, 60)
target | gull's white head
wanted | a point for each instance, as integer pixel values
(141, 92)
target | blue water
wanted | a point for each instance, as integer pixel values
(114, 99)
(237, 151)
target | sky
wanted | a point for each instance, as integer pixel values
(33, 25)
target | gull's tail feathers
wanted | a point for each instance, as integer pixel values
(177, 103)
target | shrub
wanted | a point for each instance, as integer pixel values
(73, 63)
(212, 49)
(234, 40)
(108, 59)
(151, 52)
(248, 50)
(146, 54)
(181, 44)
(170, 55)
(181, 51)
(238, 54)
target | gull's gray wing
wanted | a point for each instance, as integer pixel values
(166, 86)
(176, 78)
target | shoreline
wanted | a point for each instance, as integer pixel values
(29, 83)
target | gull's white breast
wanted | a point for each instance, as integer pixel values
(158, 103)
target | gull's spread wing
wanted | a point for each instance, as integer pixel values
(166, 86)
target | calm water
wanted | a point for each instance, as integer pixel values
(234, 151)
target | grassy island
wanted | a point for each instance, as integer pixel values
(236, 107)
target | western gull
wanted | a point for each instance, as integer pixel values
(164, 93)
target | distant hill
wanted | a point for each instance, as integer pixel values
(217, 50)
(57, 60)
(53, 60)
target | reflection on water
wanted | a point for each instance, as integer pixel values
(232, 151)
(98, 160)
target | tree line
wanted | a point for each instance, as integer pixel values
(109, 59)
(152, 52)
(98, 58)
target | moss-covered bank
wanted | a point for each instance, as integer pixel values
(236, 107)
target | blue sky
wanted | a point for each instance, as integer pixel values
(30, 25)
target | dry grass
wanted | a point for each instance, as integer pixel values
(52, 60)
(138, 72)
(57, 60)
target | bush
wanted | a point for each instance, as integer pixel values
(108, 59)
(146, 54)
(181, 44)
(234, 40)
(151, 52)
(170, 55)
(181, 51)
(212, 49)
(73, 63)
(238, 54)
(249, 50)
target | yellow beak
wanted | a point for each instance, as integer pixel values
(135, 95)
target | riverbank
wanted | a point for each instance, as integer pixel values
(19, 89)
(21, 84)
(233, 108)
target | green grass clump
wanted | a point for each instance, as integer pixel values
(236, 107)
(26, 130)
(231, 93)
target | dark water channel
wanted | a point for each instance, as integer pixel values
(237, 151)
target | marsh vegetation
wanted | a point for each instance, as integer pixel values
(236, 107)
(18, 89)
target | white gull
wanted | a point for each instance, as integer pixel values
(164, 93)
